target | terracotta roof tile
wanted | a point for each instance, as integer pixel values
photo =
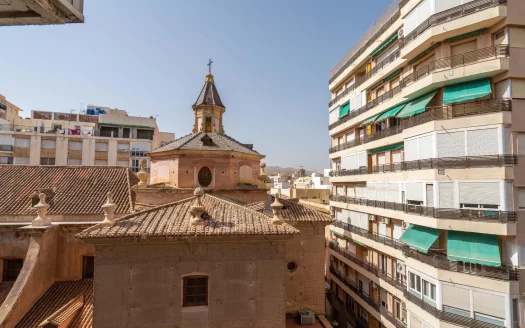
(57, 297)
(73, 189)
(209, 95)
(5, 288)
(224, 219)
(257, 206)
(293, 211)
(219, 142)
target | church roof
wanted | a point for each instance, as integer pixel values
(293, 211)
(221, 218)
(69, 189)
(209, 94)
(219, 142)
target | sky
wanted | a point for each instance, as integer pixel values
(271, 63)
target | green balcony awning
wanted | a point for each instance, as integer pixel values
(473, 248)
(420, 238)
(416, 106)
(386, 148)
(391, 112)
(383, 45)
(465, 36)
(391, 76)
(344, 109)
(370, 120)
(466, 91)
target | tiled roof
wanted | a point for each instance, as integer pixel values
(223, 218)
(257, 206)
(57, 297)
(194, 142)
(209, 95)
(293, 211)
(5, 288)
(73, 189)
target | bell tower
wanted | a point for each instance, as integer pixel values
(208, 108)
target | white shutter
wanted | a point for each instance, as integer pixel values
(22, 143)
(361, 192)
(48, 144)
(456, 297)
(102, 162)
(333, 116)
(482, 142)
(414, 191)
(350, 191)
(382, 229)
(381, 159)
(490, 304)
(123, 163)
(446, 195)
(410, 22)
(479, 193)
(509, 196)
(387, 53)
(340, 191)
(362, 159)
(442, 5)
(350, 137)
(396, 156)
(521, 143)
(6, 140)
(74, 161)
(381, 191)
(503, 89)
(355, 103)
(76, 145)
(21, 160)
(140, 145)
(411, 152)
(451, 144)
(510, 252)
(392, 193)
(415, 322)
(371, 191)
(101, 146)
(398, 231)
(426, 147)
(521, 198)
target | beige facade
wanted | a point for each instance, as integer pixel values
(425, 123)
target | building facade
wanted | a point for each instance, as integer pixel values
(426, 127)
(100, 136)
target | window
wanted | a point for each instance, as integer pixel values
(515, 313)
(22, 143)
(195, 291)
(205, 176)
(101, 146)
(123, 148)
(350, 303)
(123, 163)
(48, 144)
(415, 202)
(415, 282)
(74, 161)
(477, 206)
(6, 160)
(429, 290)
(101, 162)
(208, 124)
(145, 134)
(21, 160)
(47, 161)
(75, 145)
(363, 314)
(88, 267)
(12, 269)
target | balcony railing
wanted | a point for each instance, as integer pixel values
(397, 323)
(465, 59)
(6, 148)
(348, 255)
(432, 164)
(433, 113)
(437, 260)
(388, 241)
(438, 213)
(350, 284)
(451, 14)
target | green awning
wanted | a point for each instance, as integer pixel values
(391, 76)
(473, 248)
(370, 120)
(465, 36)
(383, 45)
(386, 148)
(466, 91)
(417, 105)
(420, 238)
(391, 112)
(344, 109)
(424, 53)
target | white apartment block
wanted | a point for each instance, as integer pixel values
(52, 138)
(427, 121)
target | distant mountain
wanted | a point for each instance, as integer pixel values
(278, 169)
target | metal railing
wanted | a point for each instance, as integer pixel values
(485, 215)
(350, 284)
(451, 14)
(465, 59)
(390, 317)
(433, 163)
(388, 241)
(367, 266)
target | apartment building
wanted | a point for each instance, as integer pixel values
(97, 137)
(428, 137)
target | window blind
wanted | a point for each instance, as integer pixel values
(22, 143)
(48, 144)
(425, 147)
(392, 192)
(479, 193)
(75, 145)
(446, 195)
(456, 297)
(414, 191)
(490, 304)
(451, 144)
(411, 152)
(482, 142)
(521, 198)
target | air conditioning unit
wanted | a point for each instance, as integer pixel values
(307, 317)
(400, 267)
(371, 217)
(405, 225)
(400, 34)
(385, 220)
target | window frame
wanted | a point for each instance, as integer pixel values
(185, 302)
(6, 269)
(88, 270)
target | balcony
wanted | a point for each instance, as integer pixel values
(390, 317)
(437, 260)
(462, 60)
(438, 213)
(6, 148)
(463, 162)
(449, 15)
(354, 288)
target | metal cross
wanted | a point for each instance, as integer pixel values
(209, 65)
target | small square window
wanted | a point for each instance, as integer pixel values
(195, 291)
(12, 268)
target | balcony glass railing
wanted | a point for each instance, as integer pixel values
(438, 213)
(465, 59)
(433, 113)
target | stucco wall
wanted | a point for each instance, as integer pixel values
(140, 285)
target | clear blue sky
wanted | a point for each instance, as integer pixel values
(271, 58)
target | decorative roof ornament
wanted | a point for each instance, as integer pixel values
(197, 210)
(276, 209)
(262, 176)
(109, 210)
(142, 174)
(41, 209)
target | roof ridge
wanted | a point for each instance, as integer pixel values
(189, 139)
(240, 143)
(239, 206)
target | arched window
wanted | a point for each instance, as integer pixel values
(204, 176)
(195, 291)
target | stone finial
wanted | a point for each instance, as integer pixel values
(262, 176)
(41, 209)
(276, 209)
(109, 210)
(142, 174)
(197, 209)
